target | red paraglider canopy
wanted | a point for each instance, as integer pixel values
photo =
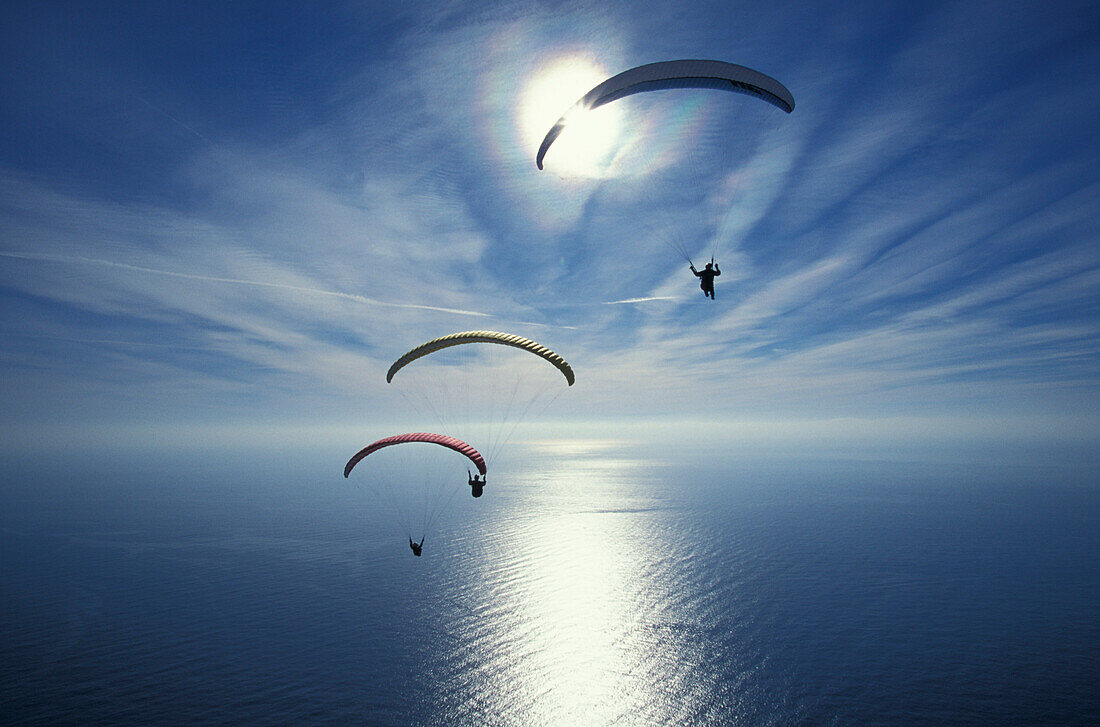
(441, 439)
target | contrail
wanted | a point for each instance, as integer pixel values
(593, 304)
(112, 342)
(172, 118)
(640, 300)
(236, 281)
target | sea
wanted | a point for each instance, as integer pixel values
(597, 582)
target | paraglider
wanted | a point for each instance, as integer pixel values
(477, 483)
(505, 339)
(679, 75)
(392, 485)
(717, 75)
(444, 441)
(706, 278)
(480, 385)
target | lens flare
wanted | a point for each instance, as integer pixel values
(590, 136)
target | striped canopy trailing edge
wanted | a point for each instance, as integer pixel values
(504, 339)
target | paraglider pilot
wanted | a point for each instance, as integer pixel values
(416, 547)
(477, 482)
(706, 277)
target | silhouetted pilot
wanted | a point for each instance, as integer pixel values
(706, 278)
(476, 483)
(416, 547)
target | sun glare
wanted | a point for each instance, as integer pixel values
(582, 148)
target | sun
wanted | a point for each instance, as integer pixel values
(583, 148)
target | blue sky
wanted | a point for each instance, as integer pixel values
(241, 214)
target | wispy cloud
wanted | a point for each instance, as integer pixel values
(235, 281)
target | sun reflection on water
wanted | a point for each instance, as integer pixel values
(580, 617)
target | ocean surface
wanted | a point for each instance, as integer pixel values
(595, 583)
